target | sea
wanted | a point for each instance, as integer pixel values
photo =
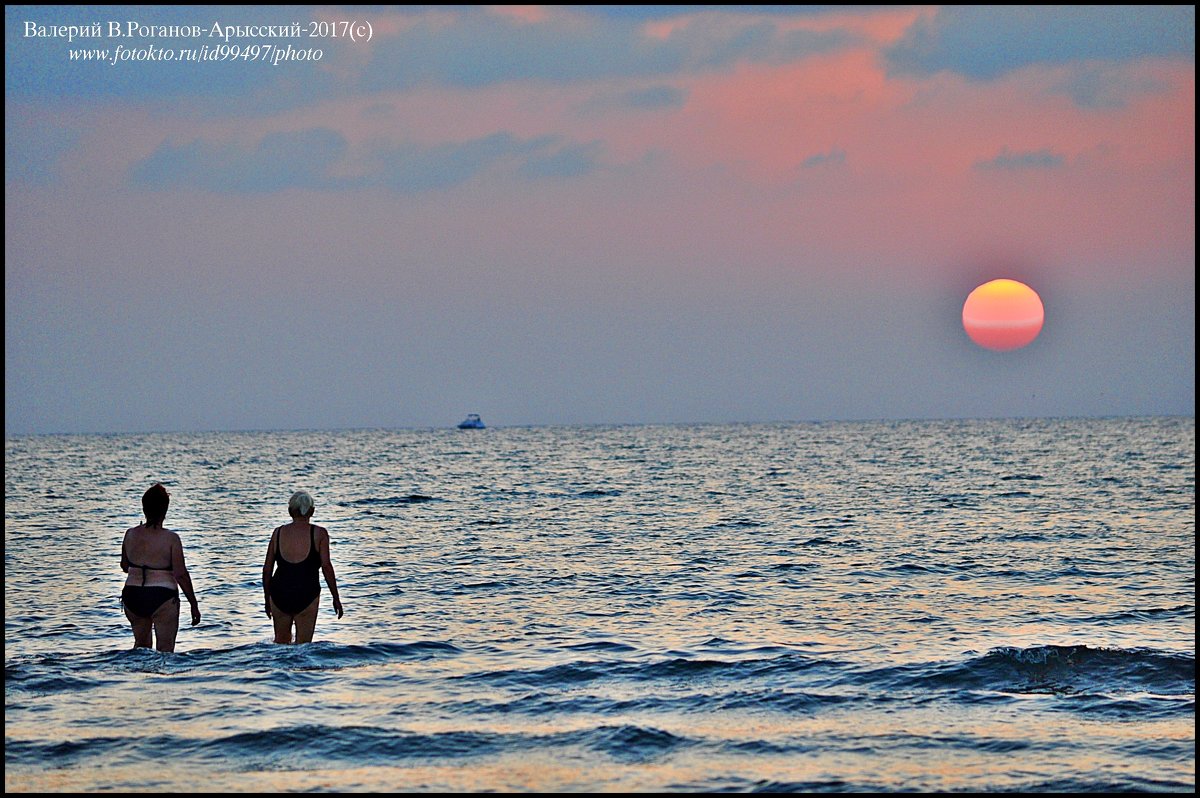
(902, 606)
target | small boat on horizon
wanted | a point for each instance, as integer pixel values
(472, 421)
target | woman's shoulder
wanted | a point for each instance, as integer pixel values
(136, 532)
(143, 535)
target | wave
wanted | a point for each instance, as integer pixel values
(44, 684)
(824, 541)
(358, 744)
(549, 704)
(63, 753)
(73, 672)
(1142, 615)
(297, 746)
(601, 645)
(1055, 670)
(1101, 784)
(332, 655)
(671, 668)
(1081, 784)
(1112, 674)
(627, 743)
(412, 498)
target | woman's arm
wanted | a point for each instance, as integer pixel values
(267, 565)
(180, 571)
(327, 569)
(124, 559)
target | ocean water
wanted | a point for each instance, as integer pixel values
(910, 606)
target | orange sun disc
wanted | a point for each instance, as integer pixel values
(1003, 315)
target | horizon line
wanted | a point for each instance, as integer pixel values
(591, 424)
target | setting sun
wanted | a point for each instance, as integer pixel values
(1003, 315)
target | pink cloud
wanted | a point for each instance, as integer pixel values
(530, 15)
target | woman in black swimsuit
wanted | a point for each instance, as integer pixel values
(293, 592)
(153, 557)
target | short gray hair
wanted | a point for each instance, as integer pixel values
(301, 504)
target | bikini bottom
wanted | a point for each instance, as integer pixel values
(144, 601)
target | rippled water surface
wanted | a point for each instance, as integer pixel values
(971, 605)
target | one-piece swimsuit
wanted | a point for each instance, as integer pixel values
(295, 585)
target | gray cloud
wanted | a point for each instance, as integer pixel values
(299, 159)
(411, 168)
(572, 160)
(483, 49)
(985, 42)
(1104, 86)
(1032, 159)
(322, 159)
(660, 97)
(654, 98)
(831, 158)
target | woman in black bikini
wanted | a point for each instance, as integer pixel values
(293, 592)
(153, 557)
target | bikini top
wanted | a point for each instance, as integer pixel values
(145, 568)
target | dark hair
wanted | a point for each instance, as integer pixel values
(154, 504)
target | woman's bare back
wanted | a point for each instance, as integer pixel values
(149, 553)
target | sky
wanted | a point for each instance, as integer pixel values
(591, 215)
